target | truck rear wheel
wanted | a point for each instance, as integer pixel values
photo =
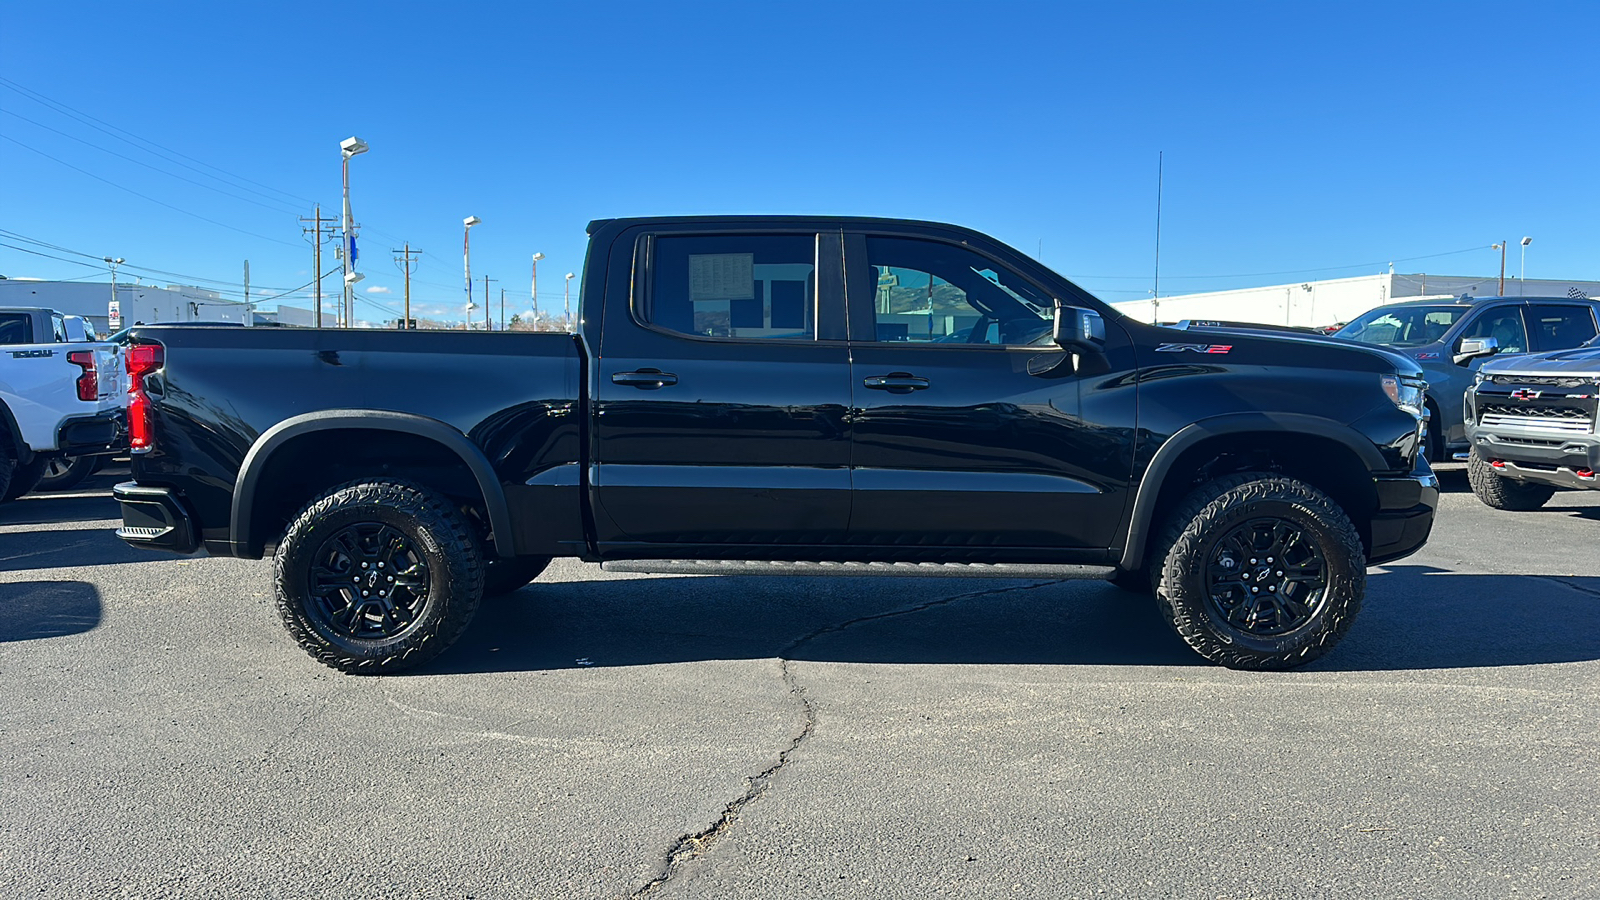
(1259, 571)
(66, 472)
(24, 477)
(379, 576)
(1500, 492)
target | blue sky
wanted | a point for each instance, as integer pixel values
(1301, 140)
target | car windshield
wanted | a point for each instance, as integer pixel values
(1403, 326)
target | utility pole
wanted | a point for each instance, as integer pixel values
(502, 309)
(316, 254)
(1502, 248)
(534, 292)
(404, 261)
(486, 322)
(249, 317)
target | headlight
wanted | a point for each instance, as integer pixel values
(1407, 393)
(1478, 378)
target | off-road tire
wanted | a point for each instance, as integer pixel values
(1500, 492)
(66, 472)
(433, 536)
(8, 465)
(502, 576)
(1191, 546)
(23, 478)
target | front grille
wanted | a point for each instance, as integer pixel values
(1565, 381)
(1528, 442)
(1562, 419)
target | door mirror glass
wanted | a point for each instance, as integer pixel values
(1473, 348)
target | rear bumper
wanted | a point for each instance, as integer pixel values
(93, 435)
(154, 517)
(1404, 517)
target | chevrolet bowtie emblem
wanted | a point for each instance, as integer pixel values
(1525, 394)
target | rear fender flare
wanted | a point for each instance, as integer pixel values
(250, 545)
(1155, 475)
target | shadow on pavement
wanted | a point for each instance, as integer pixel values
(51, 509)
(31, 610)
(1415, 617)
(63, 549)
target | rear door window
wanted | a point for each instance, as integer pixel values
(1558, 326)
(16, 328)
(738, 287)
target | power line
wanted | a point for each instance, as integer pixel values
(97, 260)
(145, 164)
(144, 196)
(113, 130)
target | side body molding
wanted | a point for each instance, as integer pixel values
(255, 462)
(1144, 504)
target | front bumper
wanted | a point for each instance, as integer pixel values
(1404, 517)
(154, 517)
(1541, 457)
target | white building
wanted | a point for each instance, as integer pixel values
(1320, 303)
(139, 302)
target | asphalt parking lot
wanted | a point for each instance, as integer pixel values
(613, 735)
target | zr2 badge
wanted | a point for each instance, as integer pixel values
(1194, 348)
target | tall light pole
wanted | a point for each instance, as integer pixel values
(1502, 248)
(350, 146)
(535, 292)
(1522, 278)
(466, 261)
(113, 263)
(566, 303)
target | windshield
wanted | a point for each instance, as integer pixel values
(1403, 326)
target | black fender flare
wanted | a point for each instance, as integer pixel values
(1155, 475)
(255, 462)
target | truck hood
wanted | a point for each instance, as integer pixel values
(1579, 361)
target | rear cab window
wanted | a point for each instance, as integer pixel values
(735, 287)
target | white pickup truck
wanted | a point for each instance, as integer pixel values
(62, 399)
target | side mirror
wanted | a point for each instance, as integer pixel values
(1079, 329)
(1080, 332)
(1472, 348)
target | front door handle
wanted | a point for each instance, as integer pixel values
(896, 383)
(645, 379)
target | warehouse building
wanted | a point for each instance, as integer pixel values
(145, 303)
(1333, 301)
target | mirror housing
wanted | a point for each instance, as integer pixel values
(1472, 348)
(1075, 328)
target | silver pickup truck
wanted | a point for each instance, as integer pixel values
(1530, 422)
(62, 399)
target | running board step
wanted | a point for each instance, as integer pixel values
(857, 569)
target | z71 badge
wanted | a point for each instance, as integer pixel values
(1195, 348)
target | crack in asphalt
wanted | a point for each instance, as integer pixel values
(690, 847)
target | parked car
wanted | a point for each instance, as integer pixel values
(778, 390)
(1435, 334)
(61, 400)
(1531, 423)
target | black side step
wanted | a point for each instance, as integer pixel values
(857, 569)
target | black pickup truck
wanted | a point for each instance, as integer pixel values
(844, 395)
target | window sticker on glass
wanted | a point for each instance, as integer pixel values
(721, 276)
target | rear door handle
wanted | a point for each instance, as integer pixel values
(896, 382)
(646, 379)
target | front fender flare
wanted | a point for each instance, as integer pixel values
(251, 546)
(1140, 521)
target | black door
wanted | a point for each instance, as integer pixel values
(720, 401)
(966, 432)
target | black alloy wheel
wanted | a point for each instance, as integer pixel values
(368, 582)
(378, 576)
(1267, 577)
(1259, 571)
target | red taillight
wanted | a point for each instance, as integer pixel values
(89, 380)
(142, 359)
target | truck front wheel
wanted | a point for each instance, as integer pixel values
(1500, 492)
(1259, 571)
(379, 576)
